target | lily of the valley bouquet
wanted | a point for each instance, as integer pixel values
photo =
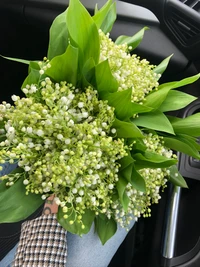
(92, 129)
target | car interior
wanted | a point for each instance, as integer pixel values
(171, 236)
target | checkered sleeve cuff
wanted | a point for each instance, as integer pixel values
(42, 243)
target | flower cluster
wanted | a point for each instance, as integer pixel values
(62, 137)
(155, 180)
(65, 143)
(129, 70)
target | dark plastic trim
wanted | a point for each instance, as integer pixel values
(190, 16)
(162, 10)
(185, 259)
(130, 19)
(16, 7)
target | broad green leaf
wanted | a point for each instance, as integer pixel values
(124, 108)
(138, 181)
(105, 228)
(187, 81)
(62, 68)
(154, 120)
(88, 72)
(152, 160)
(17, 60)
(176, 100)
(33, 74)
(178, 84)
(59, 38)
(189, 125)
(76, 227)
(133, 177)
(132, 41)
(191, 139)
(162, 66)
(34, 65)
(126, 161)
(181, 144)
(121, 101)
(137, 108)
(172, 119)
(32, 78)
(83, 32)
(96, 9)
(15, 205)
(157, 97)
(121, 189)
(138, 145)
(126, 172)
(105, 81)
(127, 129)
(105, 17)
(176, 178)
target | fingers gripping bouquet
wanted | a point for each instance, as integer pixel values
(91, 128)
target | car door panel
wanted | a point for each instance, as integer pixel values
(24, 29)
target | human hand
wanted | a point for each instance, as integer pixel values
(50, 206)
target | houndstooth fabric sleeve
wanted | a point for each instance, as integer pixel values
(42, 243)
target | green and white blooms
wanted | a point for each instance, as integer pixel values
(91, 128)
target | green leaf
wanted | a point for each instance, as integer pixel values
(156, 98)
(173, 119)
(121, 189)
(138, 181)
(15, 205)
(162, 66)
(32, 78)
(34, 65)
(127, 129)
(188, 125)
(132, 41)
(125, 161)
(126, 172)
(176, 100)
(132, 176)
(83, 32)
(182, 144)
(178, 84)
(152, 160)
(105, 81)
(154, 120)
(62, 68)
(193, 140)
(176, 178)
(187, 81)
(96, 9)
(76, 227)
(88, 72)
(138, 145)
(105, 228)
(17, 60)
(105, 17)
(59, 38)
(137, 108)
(124, 108)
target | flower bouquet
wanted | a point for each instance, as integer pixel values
(92, 129)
